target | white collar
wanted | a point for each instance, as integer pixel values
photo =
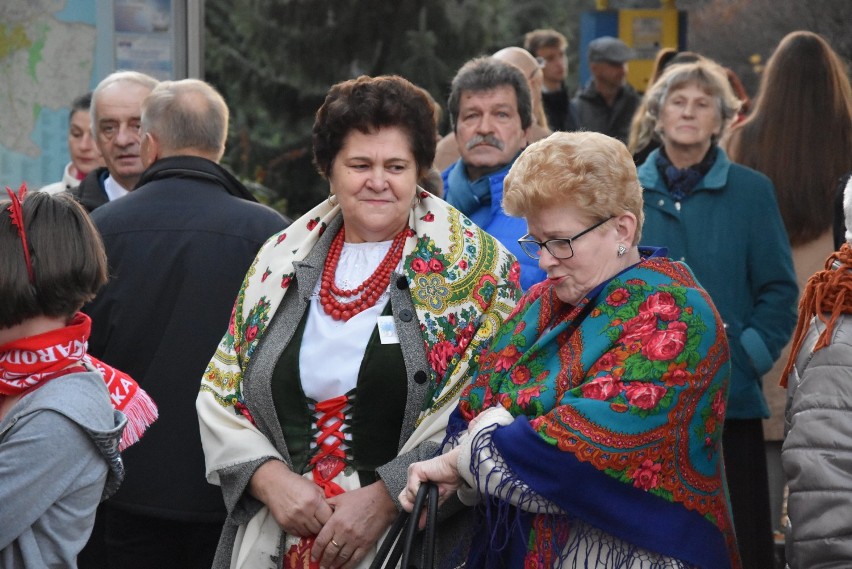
(113, 189)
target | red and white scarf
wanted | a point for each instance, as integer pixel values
(28, 363)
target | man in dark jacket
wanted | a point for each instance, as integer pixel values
(116, 118)
(178, 247)
(607, 103)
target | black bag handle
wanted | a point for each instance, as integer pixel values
(405, 526)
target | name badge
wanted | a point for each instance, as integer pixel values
(387, 330)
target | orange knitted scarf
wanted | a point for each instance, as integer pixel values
(827, 295)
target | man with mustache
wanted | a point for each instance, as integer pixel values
(447, 150)
(491, 112)
(116, 120)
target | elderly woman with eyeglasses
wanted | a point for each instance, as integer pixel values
(591, 430)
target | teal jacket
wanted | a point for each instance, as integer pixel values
(729, 231)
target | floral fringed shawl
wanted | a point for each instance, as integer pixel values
(462, 282)
(619, 405)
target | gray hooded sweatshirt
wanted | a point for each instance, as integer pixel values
(58, 459)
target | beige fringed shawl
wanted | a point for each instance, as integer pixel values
(463, 284)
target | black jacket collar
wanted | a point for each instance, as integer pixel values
(194, 167)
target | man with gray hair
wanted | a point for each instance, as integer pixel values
(490, 109)
(447, 150)
(116, 118)
(178, 248)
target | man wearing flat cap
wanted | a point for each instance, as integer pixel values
(607, 103)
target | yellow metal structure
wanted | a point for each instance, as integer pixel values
(647, 31)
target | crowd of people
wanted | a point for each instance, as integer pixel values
(562, 313)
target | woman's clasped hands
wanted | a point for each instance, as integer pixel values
(346, 526)
(359, 519)
(298, 505)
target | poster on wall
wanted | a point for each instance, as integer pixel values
(52, 51)
(143, 37)
(647, 37)
(47, 58)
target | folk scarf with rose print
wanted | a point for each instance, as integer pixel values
(462, 283)
(619, 412)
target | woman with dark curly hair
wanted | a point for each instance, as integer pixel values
(349, 345)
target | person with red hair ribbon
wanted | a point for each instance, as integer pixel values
(64, 415)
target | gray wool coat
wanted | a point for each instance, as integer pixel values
(58, 459)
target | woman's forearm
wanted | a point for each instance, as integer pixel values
(484, 471)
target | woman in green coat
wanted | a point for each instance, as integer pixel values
(722, 219)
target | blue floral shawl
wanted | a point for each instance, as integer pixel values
(619, 404)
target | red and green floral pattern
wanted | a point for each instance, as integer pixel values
(636, 388)
(462, 285)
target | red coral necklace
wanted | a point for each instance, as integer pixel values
(368, 292)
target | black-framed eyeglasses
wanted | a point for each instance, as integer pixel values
(558, 248)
